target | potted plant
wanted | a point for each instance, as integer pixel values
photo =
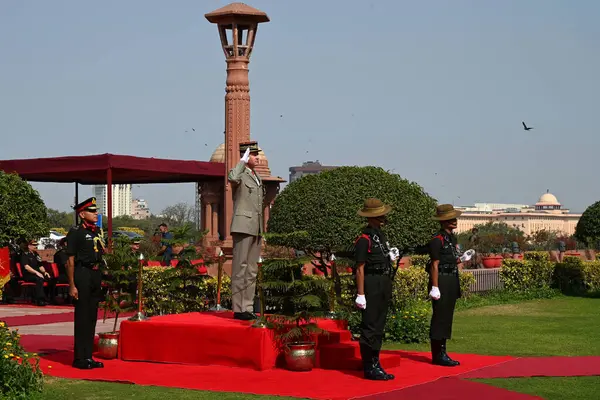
(487, 247)
(297, 300)
(119, 277)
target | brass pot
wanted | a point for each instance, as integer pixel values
(108, 345)
(300, 356)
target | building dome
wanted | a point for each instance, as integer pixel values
(548, 199)
(262, 168)
(219, 154)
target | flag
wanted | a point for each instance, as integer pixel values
(4, 267)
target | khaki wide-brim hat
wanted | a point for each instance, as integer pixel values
(374, 208)
(445, 212)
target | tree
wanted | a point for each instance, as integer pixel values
(60, 219)
(588, 228)
(179, 213)
(325, 206)
(22, 210)
(493, 237)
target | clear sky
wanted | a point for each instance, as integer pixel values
(434, 90)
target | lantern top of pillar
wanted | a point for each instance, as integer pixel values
(236, 11)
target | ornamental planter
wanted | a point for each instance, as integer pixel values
(300, 356)
(492, 261)
(108, 345)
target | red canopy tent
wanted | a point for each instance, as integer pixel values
(109, 169)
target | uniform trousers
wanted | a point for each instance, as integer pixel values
(378, 294)
(88, 283)
(244, 268)
(39, 285)
(443, 308)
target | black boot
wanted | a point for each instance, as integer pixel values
(445, 355)
(439, 356)
(372, 372)
(378, 364)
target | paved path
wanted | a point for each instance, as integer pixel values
(60, 328)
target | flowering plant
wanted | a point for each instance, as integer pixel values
(20, 371)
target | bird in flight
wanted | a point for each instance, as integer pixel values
(527, 128)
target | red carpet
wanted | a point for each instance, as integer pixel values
(540, 366)
(42, 319)
(324, 384)
(46, 344)
(450, 389)
(231, 343)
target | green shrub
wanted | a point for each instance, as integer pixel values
(466, 280)
(175, 290)
(574, 276)
(62, 231)
(536, 256)
(410, 325)
(325, 205)
(20, 371)
(521, 275)
(588, 227)
(419, 260)
(131, 229)
(22, 210)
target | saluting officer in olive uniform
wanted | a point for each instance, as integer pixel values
(246, 230)
(374, 275)
(444, 284)
(85, 249)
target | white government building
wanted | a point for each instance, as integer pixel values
(546, 214)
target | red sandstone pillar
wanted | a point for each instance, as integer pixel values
(237, 24)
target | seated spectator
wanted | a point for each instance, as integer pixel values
(33, 271)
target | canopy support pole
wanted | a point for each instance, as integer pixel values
(76, 202)
(109, 206)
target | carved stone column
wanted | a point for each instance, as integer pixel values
(211, 197)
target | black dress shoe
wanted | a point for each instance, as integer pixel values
(95, 364)
(82, 364)
(377, 365)
(244, 316)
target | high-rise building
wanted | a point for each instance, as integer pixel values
(139, 209)
(121, 199)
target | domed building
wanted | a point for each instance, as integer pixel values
(547, 214)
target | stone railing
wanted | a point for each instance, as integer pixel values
(485, 279)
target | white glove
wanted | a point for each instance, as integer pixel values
(435, 293)
(361, 301)
(394, 253)
(246, 156)
(467, 255)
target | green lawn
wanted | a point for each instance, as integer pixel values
(560, 326)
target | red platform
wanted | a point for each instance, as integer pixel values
(218, 339)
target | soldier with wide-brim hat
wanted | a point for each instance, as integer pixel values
(374, 285)
(444, 283)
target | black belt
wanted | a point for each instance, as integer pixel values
(448, 269)
(378, 270)
(93, 267)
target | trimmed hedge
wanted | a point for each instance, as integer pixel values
(574, 276)
(522, 275)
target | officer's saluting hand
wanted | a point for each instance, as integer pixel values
(85, 248)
